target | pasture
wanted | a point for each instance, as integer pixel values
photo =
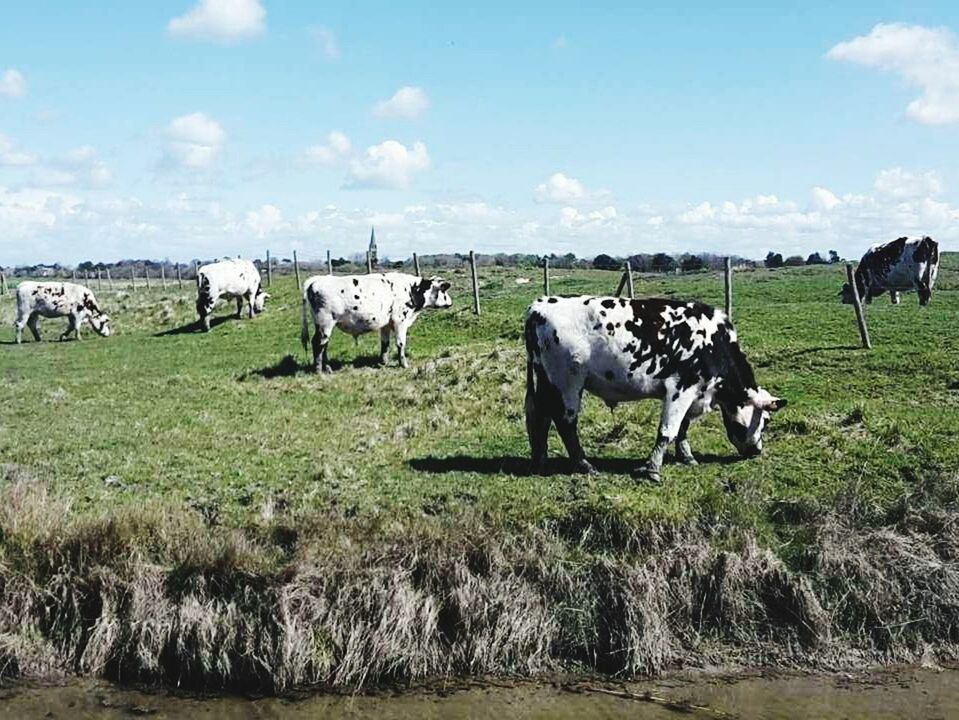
(197, 509)
(230, 421)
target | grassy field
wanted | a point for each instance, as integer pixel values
(197, 509)
(228, 422)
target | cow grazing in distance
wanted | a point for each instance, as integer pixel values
(231, 279)
(901, 265)
(58, 299)
(358, 304)
(684, 353)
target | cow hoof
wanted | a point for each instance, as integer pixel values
(648, 473)
(327, 370)
(584, 467)
(688, 461)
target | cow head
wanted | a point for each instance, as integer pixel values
(432, 293)
(101, 323)
(204, 303)
(745, 423)
(259, 300)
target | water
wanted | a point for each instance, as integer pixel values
(899, 693)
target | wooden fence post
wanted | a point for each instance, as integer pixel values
(196, 272)
(3, 283)
(133, 278)
(269, 270)
(109, 279)
(329, 263)
(296, 270)
(416, 265)
(629, 280)
(622, 284)
(369, 263)
(476, 302)
(74, 275)
(857, 305)
(163, 276)
(546, 275)
(728, 284)
(179, 278)
(99, 280)
(146, 275)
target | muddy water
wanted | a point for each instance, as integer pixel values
(903, 693)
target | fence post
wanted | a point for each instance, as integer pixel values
(133, 278)
(329, 263)
(196, 272)
(146, 275)
(857, 305)
(546, 275)
(109, 279)
(74, 274)
(622, 284)
(269, 270)
(163, 276)
(3, 283)
(416, 265)
(728, 284)
(179, 279)
(369, 263)
(629, 280)
(296, 270)
(476, 302)
(99, 280)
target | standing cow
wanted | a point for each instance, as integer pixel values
(686, 354)
(358, 304)
(58, 299)
(901, 265)
(230, 279)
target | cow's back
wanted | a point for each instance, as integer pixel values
(229, 277)
(357, 303)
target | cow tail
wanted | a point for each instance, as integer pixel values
(304, 327)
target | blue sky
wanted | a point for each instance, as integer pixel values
(199, 128)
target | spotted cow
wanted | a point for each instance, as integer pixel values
(58, 299)
(901, 265)
(232, 279)
(684, 353)
(358, 304)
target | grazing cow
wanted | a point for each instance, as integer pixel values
(358, 304)
(686, 354)
(901, 265)
(236, 279)
(58, 299)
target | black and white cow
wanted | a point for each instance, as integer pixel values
(901, 265)
(232, 279)
(358, 304)
(58, 299)
(684, 353)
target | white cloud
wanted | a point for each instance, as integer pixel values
(927, 58)
(265, 220)
(823, 199)
(327, 41)
(388, 165)
(407, 102)
(570, 217)
(11, 156)
(337, 146)
(12, 83)
(899, 183)
(220, 20)
(564, 190)
(195, 140)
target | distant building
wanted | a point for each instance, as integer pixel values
(373, 257)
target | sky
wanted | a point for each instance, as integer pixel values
(201, 128)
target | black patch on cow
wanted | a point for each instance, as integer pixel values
(608, 303)
(355, 281)
(586, 301)
(608, 374)
(555, 336)
(418, 292)
(552, 300)
(356, 297)
(610, 328)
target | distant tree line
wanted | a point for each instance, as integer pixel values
(775, 260)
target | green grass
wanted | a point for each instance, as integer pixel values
(218, 421)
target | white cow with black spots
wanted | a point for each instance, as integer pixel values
(231, 279)
(58, 299)
(358, 304)
(898, 266)
(684, 353)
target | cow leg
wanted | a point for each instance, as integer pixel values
(33, 323)
(540, 396)
(239, 307)
(323, 325)
(675, 408)
(925, 294)
(71, 326)
(384, 344)
(20, 323)
(401, 345)
(683, 452)
(894, 297)
(249, 301)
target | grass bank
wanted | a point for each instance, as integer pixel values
(196, 509)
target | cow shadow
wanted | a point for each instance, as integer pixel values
(521, 466)
(195, 327)
(289, 366)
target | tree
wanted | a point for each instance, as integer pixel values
(691, 263)
(605, 262)
(833, 257)
(661, 262)
(793, 261)
(774, 260)
(815, 259)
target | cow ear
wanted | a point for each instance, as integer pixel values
(444, 286)
(762, 400)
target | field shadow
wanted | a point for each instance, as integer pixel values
(195, 326)
(288, 366)
(521, 467)
(793, 354)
